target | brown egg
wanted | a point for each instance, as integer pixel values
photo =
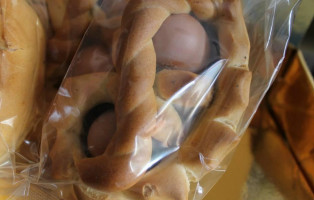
(101, 132)
(92, 59)
(182, 43)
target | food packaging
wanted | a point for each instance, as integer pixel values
(145, 112)
(28, 83)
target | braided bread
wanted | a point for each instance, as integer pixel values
(72, 106)
(22, 47)
(213, 137)
(69, 20)
(216, 133)
(128, 154)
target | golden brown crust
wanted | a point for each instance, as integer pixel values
(216, 133)
(168, 130)
(40, 7)
(234, 41)
(60, 10)
(117, 171)
(57, 11)
(205, 9)
(97, 88)
(136, 110)
(86, 193)
(69, 19)
(205, 149)
(189, 89)
(166, 181)
(128, 154)
(168, 82)
(22, 47)
(136, 100)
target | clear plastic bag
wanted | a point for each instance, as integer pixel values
(69, 20)
(22, 76)
(28, 83)
(171, 128)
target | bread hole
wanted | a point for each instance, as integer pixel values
(99, 125)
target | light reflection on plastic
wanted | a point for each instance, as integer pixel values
(71, 110)
(271, 16)
(199, 189)
(5, 163)
(136, 161)
(37, 23)
(64, 92)
(220, 170)
(205, 83)
(55, 116)
(27, 142)
(202, 85)
(131, 163)
(163, 154)
(9, 122)
(226, 122)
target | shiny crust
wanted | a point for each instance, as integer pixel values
(22, 48)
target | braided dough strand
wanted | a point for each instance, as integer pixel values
(206, 9)
(128, 155)
(129, 152)
(215, 135)
(72, 106)
(22, 49)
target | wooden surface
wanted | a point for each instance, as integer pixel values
(232, 183)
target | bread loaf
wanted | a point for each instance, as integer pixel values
(22, 47)
(136, 102)
(123, 165)
(97, 88)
